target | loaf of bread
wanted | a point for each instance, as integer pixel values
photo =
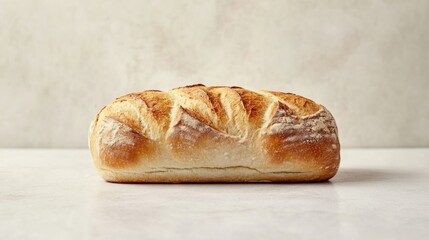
(214, 134)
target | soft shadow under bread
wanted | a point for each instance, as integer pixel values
(368, 175)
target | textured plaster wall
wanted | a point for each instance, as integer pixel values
(367, 61)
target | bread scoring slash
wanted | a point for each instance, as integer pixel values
(214, 134)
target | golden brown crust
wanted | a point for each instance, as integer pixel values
(129, 152)
(214, 134)
(255, 104)
(189, 134)
(216, 104)
(301, 106)
(160, 105)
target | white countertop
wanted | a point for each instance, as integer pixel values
(56, 194)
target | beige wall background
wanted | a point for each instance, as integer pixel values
(367, 61)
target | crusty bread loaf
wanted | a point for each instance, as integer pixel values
(214, 134)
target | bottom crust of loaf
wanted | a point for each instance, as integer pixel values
(214, 175)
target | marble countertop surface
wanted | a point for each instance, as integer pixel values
(56, 194)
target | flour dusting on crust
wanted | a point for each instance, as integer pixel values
(111, 133)
(320, 125)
